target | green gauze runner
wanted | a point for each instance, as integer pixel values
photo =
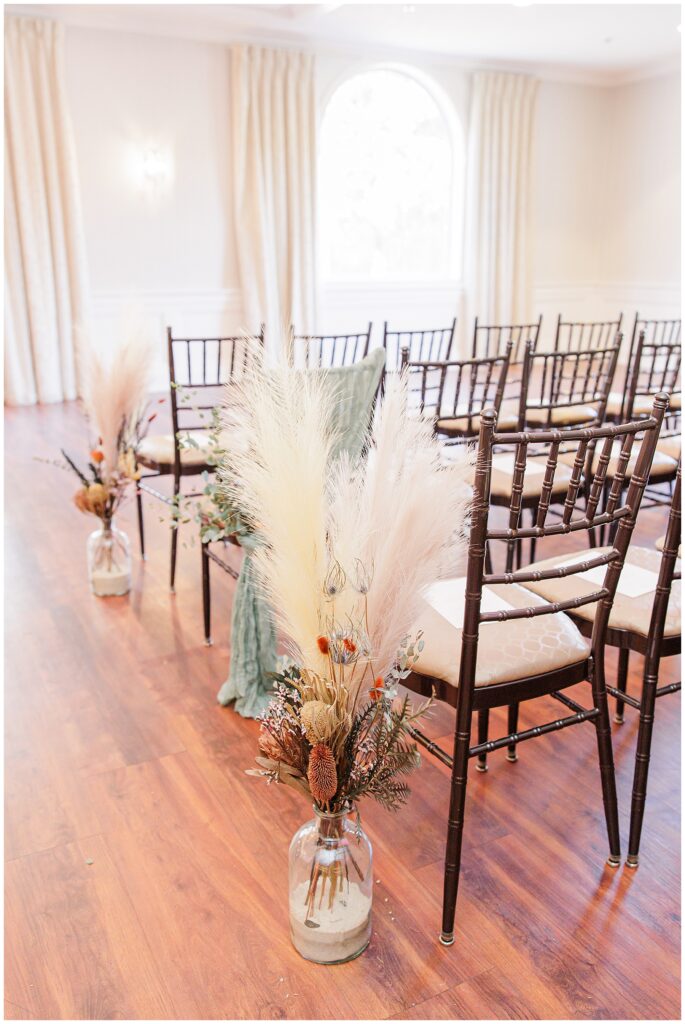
(253, 636)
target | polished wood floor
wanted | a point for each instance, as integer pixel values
(146, 874)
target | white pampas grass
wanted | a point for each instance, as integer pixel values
(279, 436)
(116, 386)
(400, 514)
(395, 515)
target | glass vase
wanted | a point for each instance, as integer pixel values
(109, 561)
(331, 889)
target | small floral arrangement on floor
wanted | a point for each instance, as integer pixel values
(116, 406)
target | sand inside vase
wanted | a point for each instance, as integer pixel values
(343, 931)
(110, 582)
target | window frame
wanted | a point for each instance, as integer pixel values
(457, 143)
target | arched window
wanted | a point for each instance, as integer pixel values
(387, 203)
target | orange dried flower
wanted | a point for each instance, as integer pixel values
(322, 774)
(349, 645)
(97, 456)
(322, 644)
(377, 692)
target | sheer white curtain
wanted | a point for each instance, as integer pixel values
(274, 178)
(45, 284)
(496, 257)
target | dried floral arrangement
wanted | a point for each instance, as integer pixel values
(348, 547)
(116, 407)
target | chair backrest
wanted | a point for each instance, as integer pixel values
(576, 335)
(554, 381)
(322, 351)
(590, 516)
(433, 344)
(492, 339)
(655, 367)
(456, 390)
(667, 332)
(204, 365)
(667, 570)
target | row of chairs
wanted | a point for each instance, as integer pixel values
(543, 628)
(560, 458)
(200, 366)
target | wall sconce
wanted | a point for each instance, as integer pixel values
(151, 168)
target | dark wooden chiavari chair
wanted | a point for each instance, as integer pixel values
(655, 368)
(453, 393)
(492, 339)
(436, 345)
(648, 623)
(574, 335)
(196, 366)
(320, 351)
(544, 651)
(664, 332)
(558, 389)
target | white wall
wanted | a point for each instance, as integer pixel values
(605, 230)
(172, 250)
(643, 188)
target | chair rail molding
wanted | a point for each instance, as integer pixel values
(197, 312)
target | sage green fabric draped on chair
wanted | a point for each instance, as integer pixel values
(253, 636)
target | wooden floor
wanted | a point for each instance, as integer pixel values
(146, 874)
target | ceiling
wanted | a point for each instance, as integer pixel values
(600, 42)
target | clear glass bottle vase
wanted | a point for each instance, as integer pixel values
(331, 889)
(109, 561)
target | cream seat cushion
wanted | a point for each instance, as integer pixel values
(507, 651)
(660, 543)
(642, 405)
(629, 613)
(158, 450)
(503, 474)
(670, 446)
(507, 420)
(662, 466)
(564, 415)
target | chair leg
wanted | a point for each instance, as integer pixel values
(175, 526)
(206, 596)
(511, 548)
(621, 682)
(642, 754)
(512, 725)
(483, 722)
(455, 829)
(488, 558)
(606, 762)
(141, 526)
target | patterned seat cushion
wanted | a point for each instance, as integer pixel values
(628, 612)
(507, 651)
(660, 543)
(642, 405)
(158, 450)
(671, 446)
(662, 466)
(503, 473)
(563, 416)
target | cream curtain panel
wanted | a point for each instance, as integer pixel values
(45, 282)
(274, 178)
(496, 258)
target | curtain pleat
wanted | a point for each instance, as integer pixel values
(45, 279)
(274, 160)
(496, 256)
